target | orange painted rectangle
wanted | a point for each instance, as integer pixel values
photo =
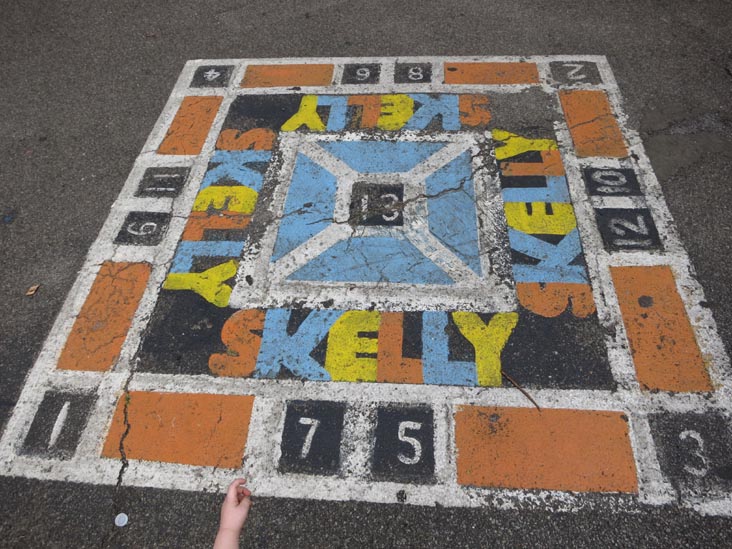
(594, 128)
(101, 327)
(265, 76)
(192, 429)
(491, 73)
(525, 448)
(190, 127)
(665, 352)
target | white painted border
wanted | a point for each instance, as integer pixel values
(268, 412)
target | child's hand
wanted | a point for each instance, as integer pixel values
(234, 512)
(235, 509)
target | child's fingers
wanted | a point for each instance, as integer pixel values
(232, 491)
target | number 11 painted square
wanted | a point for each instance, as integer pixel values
(445, 281)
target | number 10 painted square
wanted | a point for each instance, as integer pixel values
(445, 281)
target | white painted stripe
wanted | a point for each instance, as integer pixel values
(58, 425)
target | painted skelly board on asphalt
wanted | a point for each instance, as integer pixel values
(332, 275)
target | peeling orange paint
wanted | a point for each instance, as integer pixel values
(392, 367)
(665, 351)
(189, 129)
(199, 222)
(370, 109)
(187, 428)
(550, 165)
(258, 139)
(550, 449)
(101, 327)
(491, 73)
(592, 125)
(265, 76)
(242, 335)
(553, 298)
(474, 110)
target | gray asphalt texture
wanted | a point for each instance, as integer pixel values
(82, 84)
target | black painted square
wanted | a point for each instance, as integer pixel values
(404, 449)
(311, 438)
(412, 73)
(57, 425)
(627, 229)
(143, 228)
(255, 112)
(694, 451)
(561, 352)
(184, 331)
(162, 182)
(376, 204)
(212, 76)
(575, 72)
(363, 73)
(611, 182)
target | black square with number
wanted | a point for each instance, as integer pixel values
(366, 73)
(311, 438)
(694, 451)
(162, 182)
(375, 204)
(627, 229)
(143, 228)
(57, 425)
(212, 76)
(404, 449)
(611, 182)
(412, 73)
(575, 72)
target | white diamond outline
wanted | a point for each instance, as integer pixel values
(261, 283)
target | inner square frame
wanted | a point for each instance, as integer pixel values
(490, 290)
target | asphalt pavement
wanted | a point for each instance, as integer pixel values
(83, 84)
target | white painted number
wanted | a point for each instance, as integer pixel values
(59, 424)
(313, 423)
(610, 181)
(575, 72)
(161, 189)
(415, 73)
(621, 227)
(364, 206)
(363, 73)
(211, 75)
(413, 442)
(158, 176)
(698, 453)
(144, 228)
(393, 199)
